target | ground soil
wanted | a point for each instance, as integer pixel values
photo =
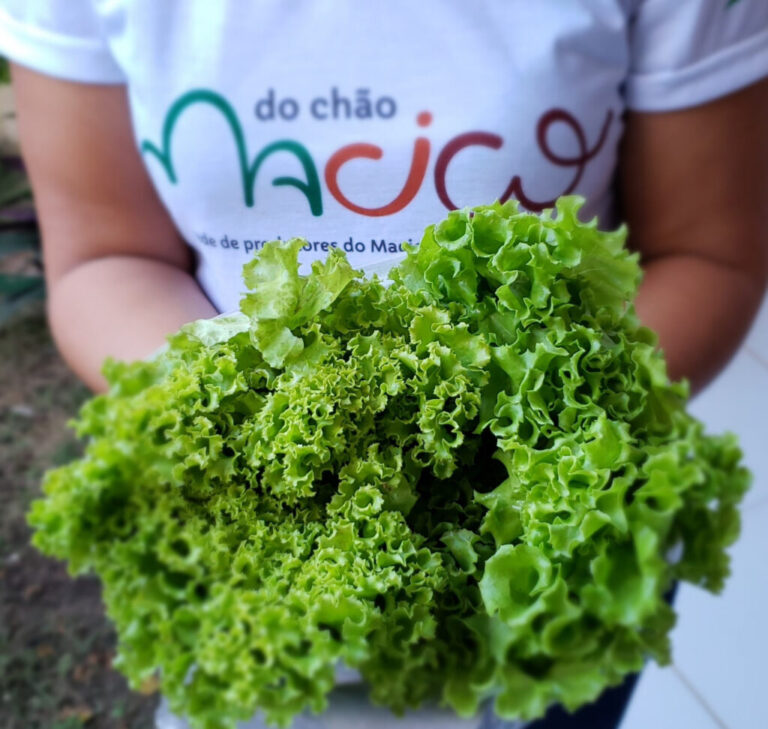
(56, 646)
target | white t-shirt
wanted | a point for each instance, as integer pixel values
(355, 124)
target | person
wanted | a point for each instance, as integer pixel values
(167, 141)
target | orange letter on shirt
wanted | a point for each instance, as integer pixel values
(372, 151)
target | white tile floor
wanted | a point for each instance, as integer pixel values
(720, 675)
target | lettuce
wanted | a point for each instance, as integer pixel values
(464, 485)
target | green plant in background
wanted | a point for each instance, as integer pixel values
(19, 243)
(21, 280)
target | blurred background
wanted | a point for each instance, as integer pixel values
(56, 647)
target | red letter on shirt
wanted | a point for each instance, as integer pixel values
(451, 149)
(578, 161)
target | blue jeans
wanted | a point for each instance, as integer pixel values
(605, 713)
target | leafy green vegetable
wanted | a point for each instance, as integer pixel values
(464, 485)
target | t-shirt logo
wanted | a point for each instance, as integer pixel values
(583, 152)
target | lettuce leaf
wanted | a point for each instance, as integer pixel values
(463, 485)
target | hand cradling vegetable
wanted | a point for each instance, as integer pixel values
(464, 485)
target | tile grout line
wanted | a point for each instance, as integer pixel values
(756, 356)
(702, 701)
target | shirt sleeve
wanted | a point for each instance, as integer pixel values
(687, 52)
(61, 38)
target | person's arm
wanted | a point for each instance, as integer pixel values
(695, 196)
(118, 274)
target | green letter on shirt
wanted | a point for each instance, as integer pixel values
(310, 187)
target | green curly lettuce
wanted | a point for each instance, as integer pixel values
(464, 485)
